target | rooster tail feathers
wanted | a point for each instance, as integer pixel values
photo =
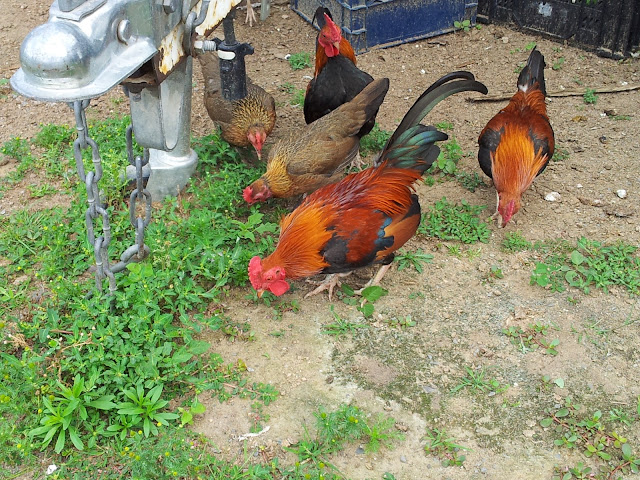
(533, 73)
(437, 92)
(319, 17)
(412, 144)
(415, 149)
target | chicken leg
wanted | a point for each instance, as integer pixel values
(329, 283)
(251, 14)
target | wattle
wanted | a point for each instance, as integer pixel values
(279, 287)
(331, 50)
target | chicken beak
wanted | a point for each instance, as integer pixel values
(260, 293)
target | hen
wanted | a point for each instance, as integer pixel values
(518, 142)
(317, 156)
(244, 122)
(367, 216)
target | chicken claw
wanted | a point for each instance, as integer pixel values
(251, 14)
(357, 163)
(328, 283)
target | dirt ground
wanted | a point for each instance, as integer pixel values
(458, 309)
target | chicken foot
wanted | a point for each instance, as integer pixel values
(329, 283)
(357, 163)
(376, 279)
(497, 215)
(251, 14)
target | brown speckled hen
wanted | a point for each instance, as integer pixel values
(317, 155)
(244, 122)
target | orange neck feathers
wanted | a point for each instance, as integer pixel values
(346, 50)
(515, 163)
(533, 99)
(303, 233)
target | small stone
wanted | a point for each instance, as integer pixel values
(422, 71)
(552, 197)
(429, 389)
(505, 39)
(621, 193)
(359, 451)
(403, 459)
(603, 139)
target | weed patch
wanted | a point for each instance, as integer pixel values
(374, 141)
(590, 264)
(455, 222)
(594, 436)
(87, 374)
(440, 445)
(300, 60)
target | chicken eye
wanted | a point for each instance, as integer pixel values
(269, 278)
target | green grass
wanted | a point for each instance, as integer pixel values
(531, 338)
(100, 384)
(90, 375)
(374, 141)
(590, 97)
(588, 265)
(560, 154)
(596, 437)
(440, 445)
(455, 222)
(300, 60)
(477, 380)
(413, 259)
(558, 64)
(297, 99)
(515, 242)
(450, 153)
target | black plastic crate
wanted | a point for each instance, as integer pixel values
(602, 25)
(368, 24)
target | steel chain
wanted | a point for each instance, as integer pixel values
(96, 208)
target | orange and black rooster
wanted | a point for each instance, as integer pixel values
(518, 142)
(367, 216)
(337, 79)
(317, 155)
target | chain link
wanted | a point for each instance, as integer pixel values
(96, 210)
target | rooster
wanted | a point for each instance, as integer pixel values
(367, 216)
(317, 156)
(244, 122)
(336, 79)
(518, 142)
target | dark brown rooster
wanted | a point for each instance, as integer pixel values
(364, 218)
(517, 144)
(244, 122)
(337, 79)
(317, 156)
